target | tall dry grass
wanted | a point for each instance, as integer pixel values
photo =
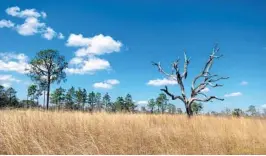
(41, 132)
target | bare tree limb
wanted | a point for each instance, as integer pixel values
(207, 99)
(162, 71)
(171, 95)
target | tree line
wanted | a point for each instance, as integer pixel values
(81, 100)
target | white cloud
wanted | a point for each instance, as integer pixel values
(142, 102)
(6, 23)
(13, 62)
(7, 80)
(77, 41)
(205, 90)
(244, 83)
(61, 36)
(32, 24)
(161, 82)
(102, 85)
(88, 66)
(16, 12)
(85, 61)
(76, 60)
(96, 45)
(112, 81)
(233, 94)
(108, 84)
(49, 33)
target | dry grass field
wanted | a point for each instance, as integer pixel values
(41, 132)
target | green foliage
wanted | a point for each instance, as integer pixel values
(237, 112)
(58, 96)
(92, 101)
(252, 110)
(46, 68)
(129, 105)
(151, 105)
(107, 104)
(70, 98)
(196, 107)
(162, 102)
(99, 104)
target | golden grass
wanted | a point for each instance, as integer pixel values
(41, 132)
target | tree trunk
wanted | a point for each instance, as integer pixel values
(48, 93)
(189, 110)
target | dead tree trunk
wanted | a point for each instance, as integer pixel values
(196, 94)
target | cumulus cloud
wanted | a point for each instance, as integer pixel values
(6, 24)
(205, 90)
(233, 94)
(32, 24)
(107, 84)
(112, 81)
(13, 62)
(244, 83)
(87, 66)
(85, 60)
(161, 82)
(49, 33)
(96, 45)
(16, 12)
(7, 80)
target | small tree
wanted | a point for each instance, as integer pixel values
(47, 67)
(151, 105)
(98, 101)
(237, 112)
(11, 97)
(107, 103)
(129, 105)
(196, 107)
(32, 93)
(58, 96)
(208, 79)
(83, 98)
(119, 104)
(70, 98)
(79, 98)
(92, 101)
(252, 110)
(162, 102)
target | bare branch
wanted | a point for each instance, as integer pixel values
(186, 63)
(172, 95)
(207, 99)
(220, 78)
(162, 71)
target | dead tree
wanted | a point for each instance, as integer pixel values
(200, 82)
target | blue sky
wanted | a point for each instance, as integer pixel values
(127, 35)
